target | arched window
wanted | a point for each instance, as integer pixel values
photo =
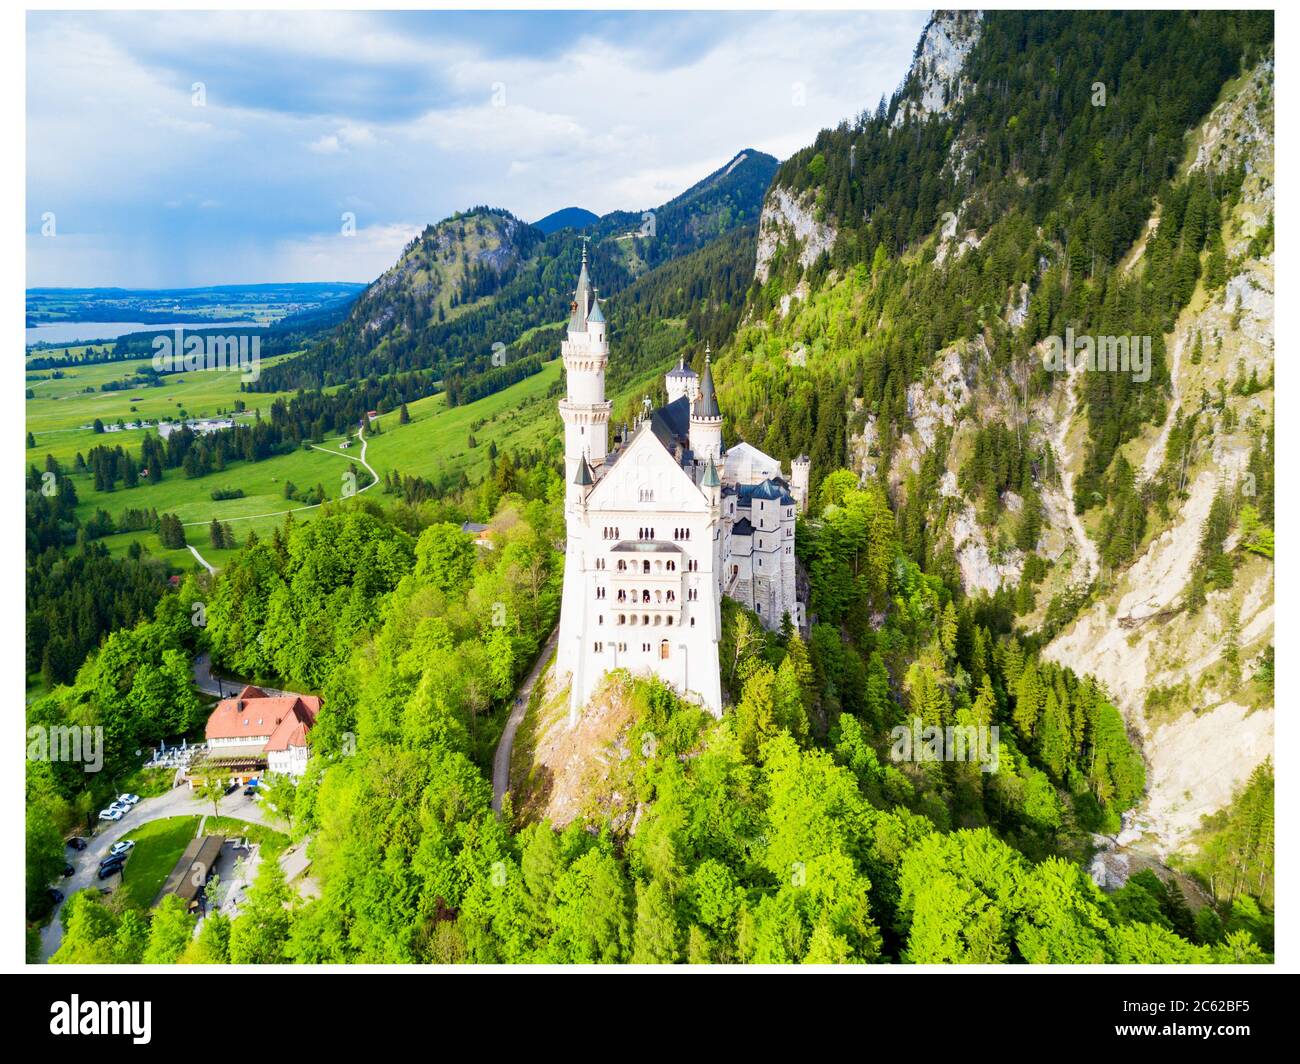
(663, 650)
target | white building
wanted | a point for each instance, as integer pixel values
(662, 526)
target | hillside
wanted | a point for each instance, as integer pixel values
(484, 278)
(913, 266)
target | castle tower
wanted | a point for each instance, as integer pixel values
(706, 419)
(800, 469)
(680, 381)
(584, 410)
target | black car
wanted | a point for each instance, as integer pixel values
(68, 871)
(55, 894)
(232, 788)
(113, 858)
(77, 844)
(106, 870)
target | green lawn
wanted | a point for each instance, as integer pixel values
(158, 846)
(273, 842)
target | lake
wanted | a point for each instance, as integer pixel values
(73, 332)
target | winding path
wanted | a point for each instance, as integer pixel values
(201, 560)
(180, 801)
(501, 761)
(361, 435)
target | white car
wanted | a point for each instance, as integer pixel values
(110, 814)
(127, 799)
(120, 847)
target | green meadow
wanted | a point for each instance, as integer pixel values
(435, 441)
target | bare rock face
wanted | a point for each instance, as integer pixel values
(791, 222)
(936, 73)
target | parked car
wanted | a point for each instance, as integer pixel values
(115, 858)
(121, 847)
(233, 787)
(110, 814)
(250, 791)
(77, 843)
(110, 869)
(128, 799)
(55, 894)
(68, 871)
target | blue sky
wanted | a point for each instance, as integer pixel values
(399, 119)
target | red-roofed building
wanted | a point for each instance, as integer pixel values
(256, 730)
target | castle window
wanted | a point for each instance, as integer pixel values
(622, 565)
(663, 650)
(647, 495)
(760, 609)
(645, 567)
(622, 595)
(622, 648)
(598, 647)
(622, 618)
(645, 618)
(645, 596)
(670, 620)
(601, 620)
(645, 648)
(692, 622)
(672, 567)
(672, 596)
(600, 592)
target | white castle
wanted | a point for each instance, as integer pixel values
(662, 526)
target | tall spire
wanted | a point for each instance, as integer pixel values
(581, 296)
(707, 403)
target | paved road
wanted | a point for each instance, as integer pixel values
(221, 686)
(201, 560)
(177, 802)
(501, 762)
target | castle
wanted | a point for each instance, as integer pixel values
(662, 525)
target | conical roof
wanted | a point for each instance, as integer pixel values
(706, 405)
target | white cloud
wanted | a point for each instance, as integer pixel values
(605, 124)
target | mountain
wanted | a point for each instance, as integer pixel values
(728, 198)
(566, 218)
(484, 277)
(915, 266)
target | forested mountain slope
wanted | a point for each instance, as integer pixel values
(467, 295)
(1037, 172)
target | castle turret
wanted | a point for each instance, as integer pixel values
(681, 381)
(800, 468)
(706, 418)
(584, 410)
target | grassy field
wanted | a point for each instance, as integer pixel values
(436, 441)
(158, 846)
